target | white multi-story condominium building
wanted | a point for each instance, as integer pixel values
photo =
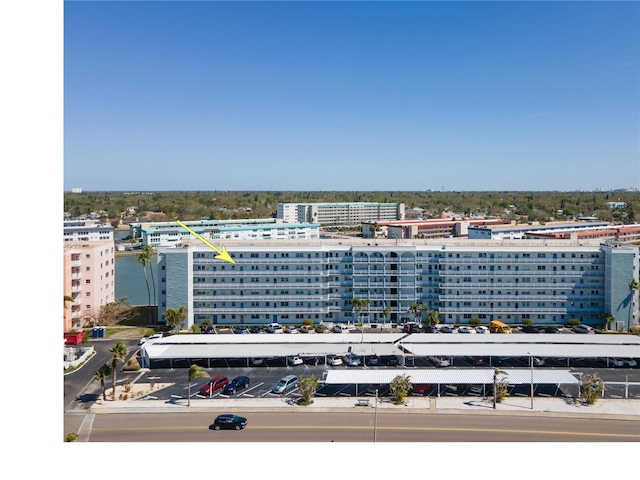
(89, 279)
(287, 282)
(163, 234)
(86, 230)
(347, 214)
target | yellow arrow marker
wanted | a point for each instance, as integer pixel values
(223, 254)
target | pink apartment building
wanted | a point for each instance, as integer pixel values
(89, 278)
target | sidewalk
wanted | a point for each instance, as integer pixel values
(605, 408)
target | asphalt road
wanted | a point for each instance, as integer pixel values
(340, 427)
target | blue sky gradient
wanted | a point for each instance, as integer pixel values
(351, 95)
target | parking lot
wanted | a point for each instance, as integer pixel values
(619, 382)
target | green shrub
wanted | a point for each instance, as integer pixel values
(71, 437)
(475, 322)
(573, 322)
(527, 321)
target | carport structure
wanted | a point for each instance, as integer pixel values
(459, 376)
(201, 349)
(520, 345)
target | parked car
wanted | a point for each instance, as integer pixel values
(285, 384)
(530, 329)
(290, 329)
(214, 384)
(389, 360)
(275, 328)
(476, 390)
(421, 389)
(551, 329)
(352, 360)
(583, 329)
(307, 329)
(475, 360)
(257, 362)
(322, 329)
(256, 329)
(440, 362)
(614, 362)
(430, 329)
(465, 329)
(228, 421)
(372, 360)
(236, 384)
(242, 329)
(538, 362)
(340, 328)
(482, 329)
(294, 360)
(629, 362)
(334, 360)
(448, 329)
(412, 327)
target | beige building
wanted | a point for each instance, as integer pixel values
(89, 279)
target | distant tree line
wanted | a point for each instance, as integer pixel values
(224, 205)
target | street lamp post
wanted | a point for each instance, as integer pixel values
(375, 418)
(531, 360)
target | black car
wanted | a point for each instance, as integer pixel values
(389, 360)
(255, 329)
(530, 329)
(229, 422)
(551, 330)
(236, 384)
(430, 329)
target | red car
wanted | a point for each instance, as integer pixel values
(421, 389)
(214, 384)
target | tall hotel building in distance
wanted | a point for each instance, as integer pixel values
(339, 214)
(549, 281)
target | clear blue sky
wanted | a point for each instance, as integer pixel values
(351, 95)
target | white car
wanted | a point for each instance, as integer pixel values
(448, 329)
(340, 328)
(481, 329)
(289, 329)
(275, 328)
(334, 360)
(466, 330)
(538, 362)
(294, 360)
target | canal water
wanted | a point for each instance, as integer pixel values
(130, 277)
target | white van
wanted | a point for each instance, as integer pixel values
(340, 328)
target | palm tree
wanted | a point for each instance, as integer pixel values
(432, 317)
(195, 371)
(417, 308)
(385, 313)
(359, 304)
(149, 252)
(498, 384)
(143, 258)
(101, 375)
(119, 352)
(174, 317)
(67, 299)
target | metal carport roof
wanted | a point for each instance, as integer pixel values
(521, 350)
(257, 350)
(433, 376)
